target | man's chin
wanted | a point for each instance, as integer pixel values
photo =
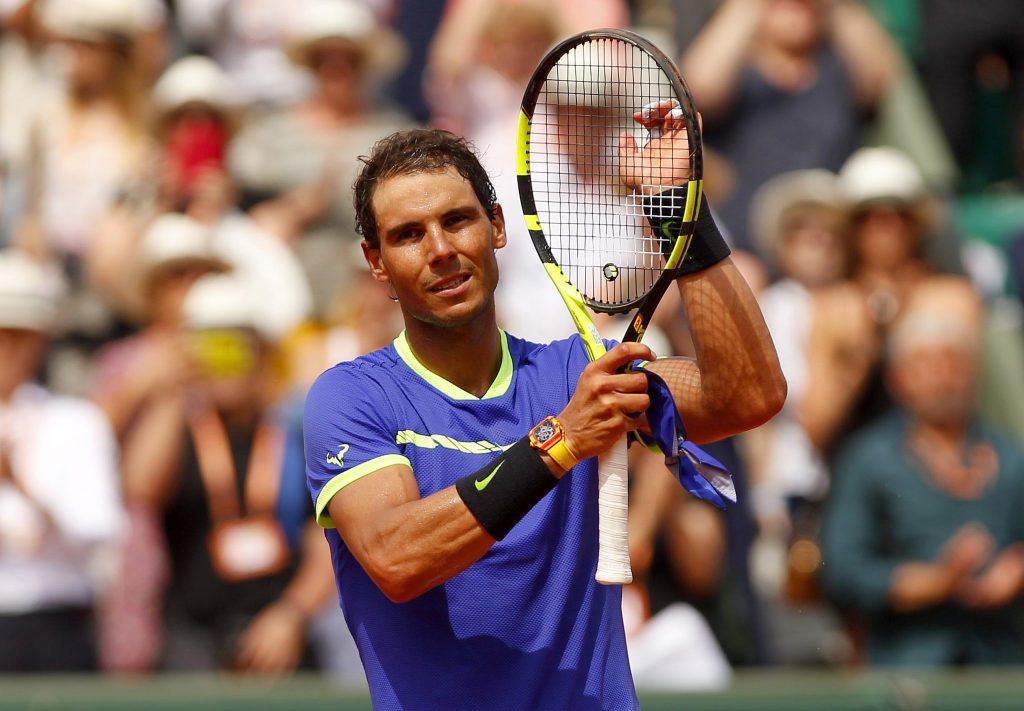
(945, 412)
(454, 316)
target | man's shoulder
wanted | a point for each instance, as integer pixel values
(376, 364)
(523, 350)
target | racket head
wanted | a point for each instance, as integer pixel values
(587, 226)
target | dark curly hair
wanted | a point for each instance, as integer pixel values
(416, 151)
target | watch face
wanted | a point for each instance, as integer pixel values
(543, 432)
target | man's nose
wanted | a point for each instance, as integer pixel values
(438, 244)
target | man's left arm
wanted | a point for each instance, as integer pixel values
(735, 383)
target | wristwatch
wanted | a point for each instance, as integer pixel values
(548, 436)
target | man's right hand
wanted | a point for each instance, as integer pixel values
(599, 413)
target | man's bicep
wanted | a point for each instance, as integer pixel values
(347, 438)
(355, 509)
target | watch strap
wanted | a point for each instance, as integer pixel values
(556, 446)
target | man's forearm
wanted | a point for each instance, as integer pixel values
(735, 383)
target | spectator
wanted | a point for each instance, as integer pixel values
(893, 219)
(57, 520)
(86, 139)
(195, 120)
(90, 137)
(798, 221)
(784, 85)
(299, 162)
(922, 535)
(24, 81)
(132, 374)
(208, 456)
(193, 116)
(174, 252)
(246, 39)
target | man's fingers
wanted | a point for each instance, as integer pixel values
(622, 354)
(628, 383)
(627, 147)
(656, 111)
(631, 404)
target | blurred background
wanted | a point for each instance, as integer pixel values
(178, 262)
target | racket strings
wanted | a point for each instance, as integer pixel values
(595, 225)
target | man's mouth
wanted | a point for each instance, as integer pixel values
(449, 284)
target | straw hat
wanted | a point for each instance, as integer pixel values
(193, 80)
(778, 197)
(94, 20)
(29, 292)
(888, 177)
(384, 51)
(175, 240)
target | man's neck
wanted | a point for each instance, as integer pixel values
(947, 434)
(467, 356)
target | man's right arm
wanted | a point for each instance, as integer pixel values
(409, 544)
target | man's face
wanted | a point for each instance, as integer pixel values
(813, 247)
(436, 247)
(21, 352)
(936, 382)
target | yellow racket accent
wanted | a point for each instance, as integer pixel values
(523, 145)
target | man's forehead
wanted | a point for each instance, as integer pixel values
(398, 197)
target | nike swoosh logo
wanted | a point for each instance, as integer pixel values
(481, 484)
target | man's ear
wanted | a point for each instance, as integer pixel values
(377, 268)
(500, 238)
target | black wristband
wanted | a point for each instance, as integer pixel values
(501, 493)
(664, 212)
(708, 247)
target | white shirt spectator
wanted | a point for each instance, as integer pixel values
(60, 511)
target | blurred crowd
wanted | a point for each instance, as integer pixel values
(178, 261)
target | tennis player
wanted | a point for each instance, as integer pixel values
(455, 470)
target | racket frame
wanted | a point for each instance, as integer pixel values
(613, 544)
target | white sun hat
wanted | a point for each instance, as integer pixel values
(175, 239)
(94, 20)
(384, 51)
(30, 292)
(224, 301)
(881, 175)
(194, 79)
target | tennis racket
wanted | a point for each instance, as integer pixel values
(583, 194)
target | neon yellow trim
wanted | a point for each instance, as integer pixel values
(342, 480)
(579, 312)
(532, 222)
(498, 388)
(523, 144)
(694, 191)
(434, 441)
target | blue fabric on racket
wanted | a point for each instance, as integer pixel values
(700, 474)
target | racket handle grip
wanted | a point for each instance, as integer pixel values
(612, 515)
